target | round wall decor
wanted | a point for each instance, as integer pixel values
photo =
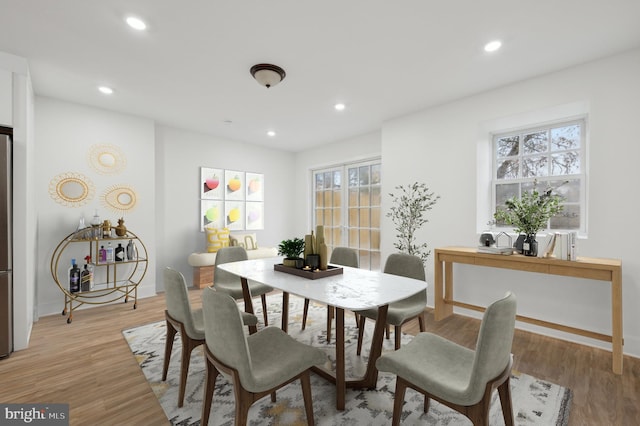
(119, 198)
(71, 189)
(107, 159)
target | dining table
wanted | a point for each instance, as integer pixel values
(354, 289)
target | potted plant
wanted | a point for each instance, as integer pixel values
(291, 250)
(529, 214)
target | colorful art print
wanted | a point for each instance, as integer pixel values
(211, 183)
(255, 215)
(234, 215)
(234, 182)
(255, 186)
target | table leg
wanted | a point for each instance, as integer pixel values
(443, 288)
(371, 375)
(285, 311)
(341, 385)
(616, 321)
(248, 303)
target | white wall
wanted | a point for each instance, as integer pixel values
(179, 156)
(439, 147)
(358, 148)
(65, 132)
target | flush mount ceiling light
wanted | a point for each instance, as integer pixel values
(267, 75)
(339, 107)
(106, 90)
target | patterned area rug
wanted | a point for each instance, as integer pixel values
(535, 402)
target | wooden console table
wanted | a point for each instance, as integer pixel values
(589, 268)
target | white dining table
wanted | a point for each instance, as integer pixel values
(354, 289)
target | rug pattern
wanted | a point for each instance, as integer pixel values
(535, 402)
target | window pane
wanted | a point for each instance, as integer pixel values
(353, 177)
(569, 218)
(364, 197)
(327, 217)
(353, 238)
(365, 260)
(566, 163)
(568, 190)
(337, 217)
(507, 147)
(504, 192)
(375, 217)
(319, 181)
(567, 137)
(376, 199)
(534, 166)
(319, 217)
(507, 169)
(364, 175)
(337, 236)
(374, 264)
(319, 199)
(364, 217)
(353, 197)
(536, 142)
(337, 198)
(337, 179)
(375, 174)
(364, 238)
(375, 239)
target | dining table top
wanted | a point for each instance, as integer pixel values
(354, 289)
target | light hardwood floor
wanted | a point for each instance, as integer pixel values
(88, 365)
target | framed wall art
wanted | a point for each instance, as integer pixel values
(211, 213)
(255, 212)
(254, 186)
(211, 183)
(234, 185)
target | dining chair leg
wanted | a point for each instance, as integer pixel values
(398, 336)
(504, 391)
(209, 388)
(388, 330)
(244, 399)
(187, 347)
(398, 400)
(329, 320)
(360, 333)
(264, 310)
(304, 313)
(168, 347)
(422, 322)
(305, 381)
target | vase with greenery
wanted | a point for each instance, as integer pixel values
(528, 214)
(291, 250)
(408, 214)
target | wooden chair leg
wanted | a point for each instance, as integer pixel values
(187, 347)
(422, 322)
(264, 309)
(329, 320)
(360, 333)
(398, 401)
(304, 313)
(504, 390)
(388, 331)
(168, 347)
(426, 403)
(244, 399)
(305, 381)
(398, 336)
(209, 387)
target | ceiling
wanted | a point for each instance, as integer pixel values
(382, 59)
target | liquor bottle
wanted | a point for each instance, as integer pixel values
(102, 255)
(89, 267)
(131, 250)
(74, 277)
(119, 253)
(109, 252)
(85, 278)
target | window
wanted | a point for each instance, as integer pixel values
(347, 203)
(554, 156)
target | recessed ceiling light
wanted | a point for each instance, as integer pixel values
(106, 90)
(271, 133)
(339, 106)
(492, 46)
(136, 23)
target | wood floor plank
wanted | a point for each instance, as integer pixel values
(88, 364)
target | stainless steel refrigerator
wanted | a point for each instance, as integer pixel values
(6, 246)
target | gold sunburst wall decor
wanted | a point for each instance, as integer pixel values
(71, 189)
(106, 159)
(119, 198)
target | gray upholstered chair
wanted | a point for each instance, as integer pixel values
(339, 256)
(405, 265)
(229, 283)
(456, 376)
(258, 364)
(189, 322)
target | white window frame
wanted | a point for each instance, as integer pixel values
(582, 175)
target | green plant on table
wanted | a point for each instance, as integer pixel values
(291, 249)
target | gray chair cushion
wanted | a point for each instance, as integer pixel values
(178, 305)
(344, 256)
(453, 372)
(263, 360)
